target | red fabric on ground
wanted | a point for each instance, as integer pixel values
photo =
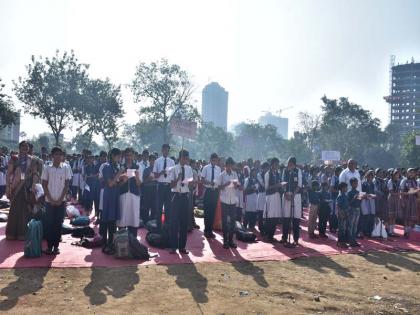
(201, 250)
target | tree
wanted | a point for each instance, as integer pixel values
(144, 134)
(211, 139)
(410, 153)
(53, 90)
(310, 128)
(84, 141)
(102, 111)
(8, 114)
(164, 90)
(297, 146)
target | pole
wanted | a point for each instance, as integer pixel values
(182, 145)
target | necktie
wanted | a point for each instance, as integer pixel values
(212, 174)
(182, 175)
(164, 167)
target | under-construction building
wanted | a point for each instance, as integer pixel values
(404, 98)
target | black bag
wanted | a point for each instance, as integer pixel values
(67, 229)
(156, 240)
(85, 231)
(137, 249)
(239, 226)
(245, 236)
(152, 226)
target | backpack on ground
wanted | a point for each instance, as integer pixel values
(85, 231)
(89, 242)
(159, 239)
(81, 221)
(137, 249)
(245, 236)
(122, 244)
(33, 239)
(152, 226)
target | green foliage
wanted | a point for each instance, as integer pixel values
(410, 151)
(164, 92)
(8, 114)
(297, 146)
(52, 90)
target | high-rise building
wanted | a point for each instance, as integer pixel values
(281, 123)
(214, 106)
(405, 96)
(9, 135)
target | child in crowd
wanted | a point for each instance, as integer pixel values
(333, 221)
(2, 176)
(354, 212)
(409, 189)
(394, 201)
(314, 200)
(251, 189)
(367, 220)
(261, 202)
(342, 207)
(273, 209)
(324, 209)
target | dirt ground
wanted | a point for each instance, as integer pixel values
(344, 284)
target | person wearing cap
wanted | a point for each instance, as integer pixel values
(160, 169)
(349, 173)
(181, 177)
(228, 182)
(409, 190)
(292, 201)
(209, 175)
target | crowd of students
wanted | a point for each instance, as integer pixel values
(126, 189)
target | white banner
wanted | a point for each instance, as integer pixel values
(330, 155)
(183, 128)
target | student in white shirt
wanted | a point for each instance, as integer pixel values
(273, 209)
(160, 169)
(228, 184)
(209, 175)
(181, 177)
(55, 182)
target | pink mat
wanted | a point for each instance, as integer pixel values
(201, 250)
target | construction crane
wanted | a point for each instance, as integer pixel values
(278, 112)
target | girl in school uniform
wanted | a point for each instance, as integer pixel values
(394, 201)
(273, 210)
(240, 192)
(90, 173)
(251, 193)
(381, 191)
(112, 177)
(261, 200)
(130, 195)
(409, 189)
(368, 206)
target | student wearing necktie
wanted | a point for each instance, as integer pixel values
(209, 176)
(181, 177)
(160, 169)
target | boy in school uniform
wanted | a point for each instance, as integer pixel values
(181, 177)
(209, 175)
(228, 184)
(251, 193)
(149, 202)
(261, 201)
(273, 209)
(354, 212)
(324, 209)
(160, 169)
(55, 182)
(342, 207)
(333, 220)
(314, 201)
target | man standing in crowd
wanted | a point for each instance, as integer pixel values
(161, 169)
(349, 173)
(209, 175)
(149, 192)
(55, 181)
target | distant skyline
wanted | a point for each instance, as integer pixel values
(267, 54)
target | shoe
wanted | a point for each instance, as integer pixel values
(212, 235)
(233, 245)
(342, 245)
(225, 245)
(355, 244)
(196, 226)
(207, 235)
(172, 251)
(184, 251)
(406, 235)
(56, 251)
(296, 243)
(48, 251)
(323, 236)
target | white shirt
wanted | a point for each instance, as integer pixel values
(101, 170)
(158, 167)
(56, 178)
(228, 195)
(206, 174)
(173, 175)
(143, 164)
(346, 175)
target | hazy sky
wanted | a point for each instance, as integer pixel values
(267, 54)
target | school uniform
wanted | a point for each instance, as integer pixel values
(2, 180)
(130, 202)
(251, 196)
(292, 209)
(342, 203)
(261, 201)
(394, 203)
(91, 195)
(353, 215)
(324, 210)
(164, 187)
(211, 195)
(368, 210)
(409, 202)
(240, 192)
(74, 187)
(381, 200)
(273, 208)
(314, 201)
(180, 206)
(149, 202)
(333, 219)
(56, 178)
(229, 200)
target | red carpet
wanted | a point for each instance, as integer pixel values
(201, 250)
